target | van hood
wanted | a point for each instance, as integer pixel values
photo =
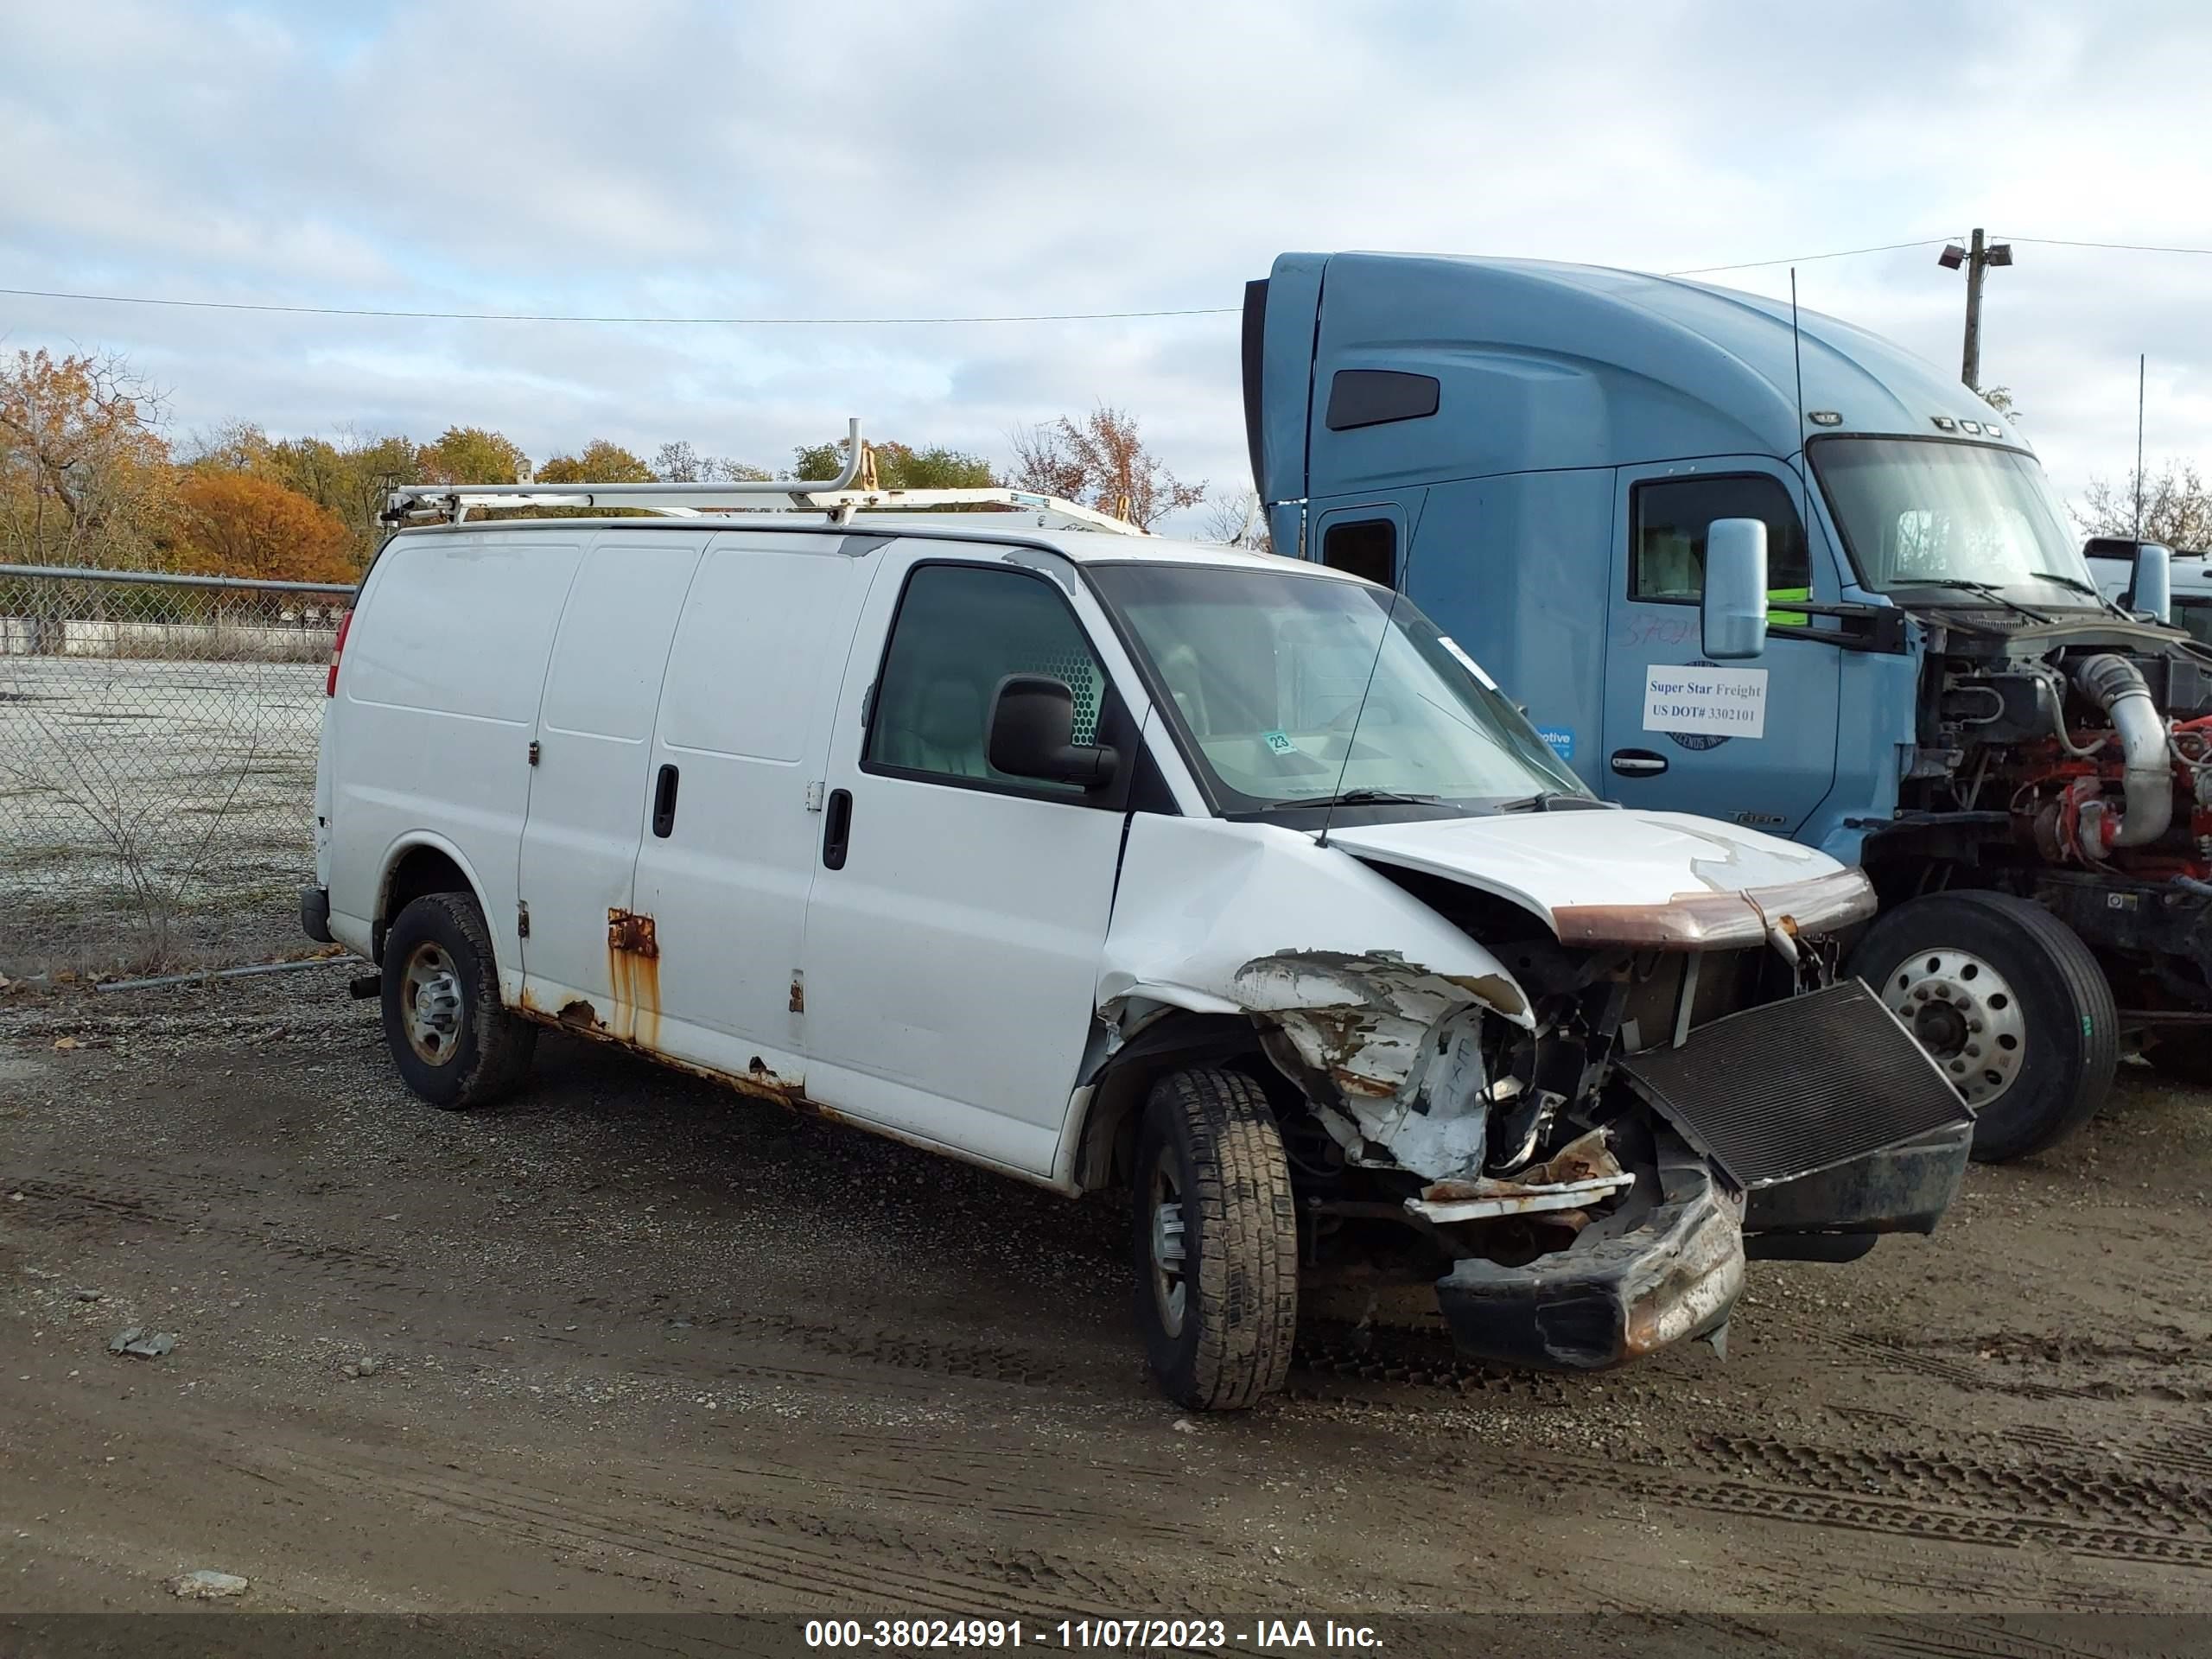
(1624, 876)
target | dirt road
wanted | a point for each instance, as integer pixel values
(635, 1344)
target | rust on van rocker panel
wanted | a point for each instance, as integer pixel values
(633, 970)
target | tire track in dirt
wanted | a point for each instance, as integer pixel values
(2140, 1372)
(1904, 1516)
(800, 1554)
(2054, 1489)
(81, 1203)
(936, 1486)
(1325, 1360)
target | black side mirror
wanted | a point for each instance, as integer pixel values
(1033, 734)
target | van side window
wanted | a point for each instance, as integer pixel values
(1366, 547)
(961, 629)
(1668, 519)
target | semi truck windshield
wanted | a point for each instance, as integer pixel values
(1266, 675)
(1927, 514)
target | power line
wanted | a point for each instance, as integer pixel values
(512, 316)
(1808, 258)
(2117, 247)
(275, 308)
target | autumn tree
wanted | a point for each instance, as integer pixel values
(2176, 508)
(1235, 519)
(348, 475)
(471, 454)
(898, 466)
(1101, 463)
(679, 463)
(235, 524)
(85, 473)
(600, 462)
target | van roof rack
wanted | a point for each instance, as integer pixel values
(853, 491)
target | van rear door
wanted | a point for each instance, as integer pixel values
(589, 785)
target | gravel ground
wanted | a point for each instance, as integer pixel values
(632, 1343)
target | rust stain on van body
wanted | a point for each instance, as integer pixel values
(633, 972)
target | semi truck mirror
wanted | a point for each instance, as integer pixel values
(2151, 587)
(1734, 621)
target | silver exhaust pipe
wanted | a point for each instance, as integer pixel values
(2114, 685)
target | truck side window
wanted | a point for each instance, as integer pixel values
(1668, 518)
(1367, 548)
(960, 630)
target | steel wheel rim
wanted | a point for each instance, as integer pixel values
(1170, 1285)
(430, 1001)
(1966, 1015)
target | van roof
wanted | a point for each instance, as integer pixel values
(1009, 529)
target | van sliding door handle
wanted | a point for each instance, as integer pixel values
(1638, 763)
(665, 803)
(836, 829)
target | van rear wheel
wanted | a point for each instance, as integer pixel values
(1217, 1241)
(455, 1042)
(2009, 1002)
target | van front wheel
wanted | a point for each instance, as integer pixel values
(455, 1042)
(1217, 1241)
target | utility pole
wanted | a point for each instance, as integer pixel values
(1977, 258)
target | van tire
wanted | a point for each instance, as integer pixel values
(2068, 1029)
(458, 1046)
(1208, 1149)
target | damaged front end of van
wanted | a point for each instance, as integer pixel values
(1576, 1119)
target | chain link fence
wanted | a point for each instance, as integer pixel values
(157, 753)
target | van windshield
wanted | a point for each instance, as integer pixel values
(1264, 673)
(1923, 515)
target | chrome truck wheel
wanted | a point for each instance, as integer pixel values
(2008, 1002)
(1966, 1015)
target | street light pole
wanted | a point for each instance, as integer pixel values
(1977, 258)
(1970, 363)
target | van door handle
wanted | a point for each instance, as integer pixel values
(1638, 763)
(664, 803)
(836, 829)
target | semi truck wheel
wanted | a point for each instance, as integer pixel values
(1217, 1241)
(2009, 1002)
(455, 1042)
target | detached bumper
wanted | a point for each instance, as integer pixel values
(1611, 1298)
(1899, 1190)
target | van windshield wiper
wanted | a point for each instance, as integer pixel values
(1363, 797)
(1989, 590)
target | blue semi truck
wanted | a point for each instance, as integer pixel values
(1932, 685)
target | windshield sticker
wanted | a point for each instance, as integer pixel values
(1279, 743)
(1467, 662)
(1695, 701)
(1559, 739)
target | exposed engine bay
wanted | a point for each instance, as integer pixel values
(2069, 760)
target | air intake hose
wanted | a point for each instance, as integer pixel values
(2116, 686)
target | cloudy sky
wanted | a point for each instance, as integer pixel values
(979, 158)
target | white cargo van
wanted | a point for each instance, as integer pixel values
(1104, 860)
